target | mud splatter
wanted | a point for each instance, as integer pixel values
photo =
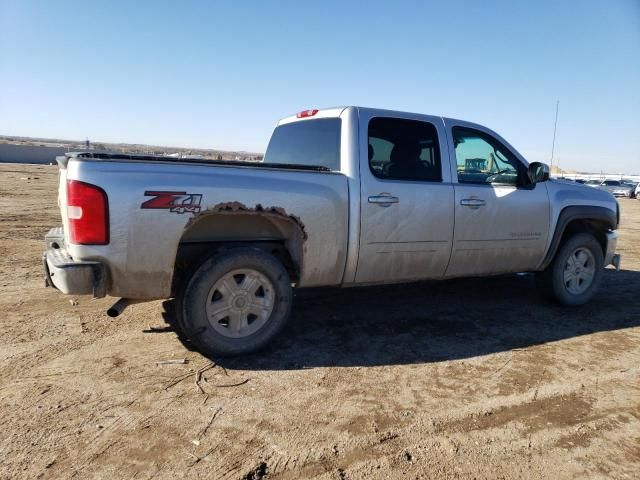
(238, 207)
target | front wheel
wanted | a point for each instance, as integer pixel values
(236, 302)
(575, 272)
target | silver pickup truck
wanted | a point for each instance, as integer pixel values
(345, 196)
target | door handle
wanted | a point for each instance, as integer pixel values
(383, 200)
(472, 202)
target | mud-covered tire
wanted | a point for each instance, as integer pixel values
(197, 305)
(559, 282)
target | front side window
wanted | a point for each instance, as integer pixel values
(402, 149)
(311, 143)
(482, 159)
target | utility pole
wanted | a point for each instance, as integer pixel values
(555, 127)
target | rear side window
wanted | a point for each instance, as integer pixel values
(308, 142)
(401, 149)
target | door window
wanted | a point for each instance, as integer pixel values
(482, 159)
(401, 149)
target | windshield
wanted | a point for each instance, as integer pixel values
(593, 182)
(308, 142)
(612, 183)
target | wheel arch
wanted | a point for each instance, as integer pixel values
(582, 218)
(268, 230)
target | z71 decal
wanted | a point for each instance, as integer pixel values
(176, 202)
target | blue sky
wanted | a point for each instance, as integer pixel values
(220, 74)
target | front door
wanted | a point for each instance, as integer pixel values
(501, 221)
(406, 197)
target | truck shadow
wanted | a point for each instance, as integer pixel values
(435, 321)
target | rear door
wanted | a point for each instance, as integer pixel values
(501, 222)
(406, 197)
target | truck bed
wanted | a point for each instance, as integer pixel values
(144, 240)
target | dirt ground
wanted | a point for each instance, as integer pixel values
(459, 379)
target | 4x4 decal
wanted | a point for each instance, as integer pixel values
(176, 202)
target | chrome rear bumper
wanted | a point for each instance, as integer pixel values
(72, 277)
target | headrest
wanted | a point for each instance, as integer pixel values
(405, 153)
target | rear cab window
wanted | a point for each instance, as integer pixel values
(308, 143)
(401, 149)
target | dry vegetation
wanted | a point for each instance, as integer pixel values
(460, 379)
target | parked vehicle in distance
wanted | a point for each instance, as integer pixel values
(593, 183)
(345, 196)
(617, 188)
(633, 184)
(580, 180)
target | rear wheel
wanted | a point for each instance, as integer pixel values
(235, 302)
(575, 272)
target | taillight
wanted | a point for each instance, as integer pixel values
(307, 113)
(88, 213)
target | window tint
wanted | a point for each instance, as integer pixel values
(404, 150)
(612, 183)
(307, 142)
(482, 159)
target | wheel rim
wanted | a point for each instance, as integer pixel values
(240, 303)
(579, 271)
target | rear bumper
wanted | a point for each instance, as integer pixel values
(72, 277)
(610, 256)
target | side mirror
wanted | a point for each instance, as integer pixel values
(538, 172)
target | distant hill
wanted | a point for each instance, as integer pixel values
(555, 170)
(60, 145)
